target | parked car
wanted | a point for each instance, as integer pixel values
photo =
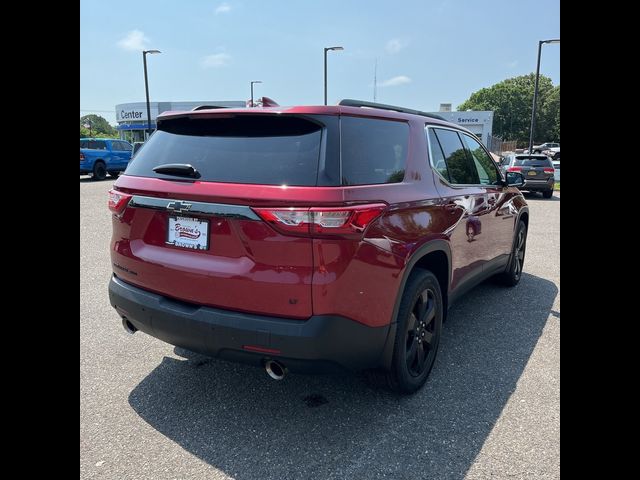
(553, 153)
(544, 146)
(537, 170)
(310, 238)
(101, 155)
(556, 170)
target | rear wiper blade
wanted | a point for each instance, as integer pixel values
(178, 169)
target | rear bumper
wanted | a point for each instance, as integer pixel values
(320, 344)
(538, 185)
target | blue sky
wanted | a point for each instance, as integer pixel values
(428, 51)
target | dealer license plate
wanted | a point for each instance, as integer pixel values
(188, 232)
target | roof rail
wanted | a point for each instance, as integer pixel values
(205, 107)
(348, 102)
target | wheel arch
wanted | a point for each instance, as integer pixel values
(435, 256)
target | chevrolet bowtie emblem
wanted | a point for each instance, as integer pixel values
(179, 207)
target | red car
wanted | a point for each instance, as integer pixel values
(310, 238)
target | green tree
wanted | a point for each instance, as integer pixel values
(99, 127)
(511, 101)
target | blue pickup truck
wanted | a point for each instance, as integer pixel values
(101, 155)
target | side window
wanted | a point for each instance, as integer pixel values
(484, 163)
(461, 170)
(97, 145)
(125, 147)
(437, 157)
(373, 151)
(84, 144)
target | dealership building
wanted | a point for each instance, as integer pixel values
(480, 123)
(132, 117)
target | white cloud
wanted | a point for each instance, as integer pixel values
(215, 60)
(395, 45)
(223, 8)
(395, 81)
(134, 40)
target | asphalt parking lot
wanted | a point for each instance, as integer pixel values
(490, 408)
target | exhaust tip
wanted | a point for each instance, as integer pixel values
(275, 369)
(128, 326)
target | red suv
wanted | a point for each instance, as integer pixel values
(310, 238)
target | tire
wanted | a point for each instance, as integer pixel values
(114, 174)
(511, 277)
(99, 171)
(417, 335)
(547, 193)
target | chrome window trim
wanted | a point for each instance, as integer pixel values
(203, 208)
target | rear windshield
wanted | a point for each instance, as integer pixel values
(532, 162)
(264, 149)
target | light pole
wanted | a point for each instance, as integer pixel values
(535, 92)
(146, 87)
(255, 81)
(326, 49)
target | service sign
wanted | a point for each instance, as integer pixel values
(135, 114)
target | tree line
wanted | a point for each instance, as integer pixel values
(96, 126)
(511, 102)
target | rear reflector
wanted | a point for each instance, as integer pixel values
(255, 348)
(118, 201)
(549, 170)
(322, 221)
(514, 169)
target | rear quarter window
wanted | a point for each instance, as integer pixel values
(373, 151)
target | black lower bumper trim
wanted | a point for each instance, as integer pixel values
(318, 344)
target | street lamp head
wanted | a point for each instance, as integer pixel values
(151, 51)
(334, 48)
(556, 40)
(257, 81)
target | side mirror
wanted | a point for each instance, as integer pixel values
(514, 179)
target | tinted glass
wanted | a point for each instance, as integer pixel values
(532, 162)
(437, 157)
(461, 169)
(265, 149)
(484, 163)
(373, 151)
(124, 146)
(84, 144)
(97, 145)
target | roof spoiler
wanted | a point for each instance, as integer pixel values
(348, 102)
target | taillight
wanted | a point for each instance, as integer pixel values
(548, 170)
(118, 201)
(81, 156)
(514, 169)
(322, 220)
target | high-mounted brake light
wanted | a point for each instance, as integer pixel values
(322, 220)
(514, 169)
(118, 201)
